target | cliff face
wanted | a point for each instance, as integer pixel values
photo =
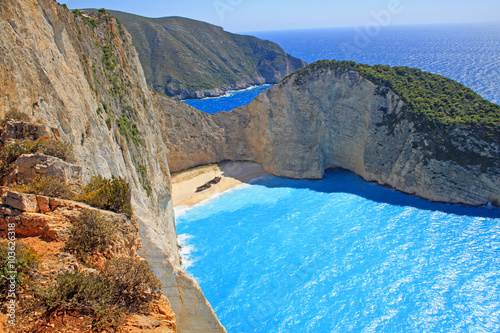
(191, 59)
(337, 118)
(82, 76)
(192, 137)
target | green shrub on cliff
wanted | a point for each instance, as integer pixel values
(135, 283)
(107, 59)
(128, 128)
(143, 172)
(9, 155)
(90, 21)
(17, 116)
(59, 149)
(127, 285)
(90, 293)
(107, 193)
(46, 185)
(90, 234)
(12, 151)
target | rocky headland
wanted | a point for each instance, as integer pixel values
(185, 58)
(329, 115)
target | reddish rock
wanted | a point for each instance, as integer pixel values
(43, 203)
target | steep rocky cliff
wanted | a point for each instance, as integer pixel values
(335, 118)
(82, 76)
(185, 58)
(192, 137)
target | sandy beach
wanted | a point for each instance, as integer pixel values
(232, 174)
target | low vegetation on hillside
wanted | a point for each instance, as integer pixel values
(122, 285)
(197, 56)
(126, 285)
(106, 293)
(47, 186)
(92, 233)
(107, 193)
(434, 101)
(23, 258)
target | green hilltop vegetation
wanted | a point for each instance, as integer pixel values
(434, 101)
(435, 104)
(182, 56)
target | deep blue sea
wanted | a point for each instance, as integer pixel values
(227, 102)
(469, 54)
(344, 255)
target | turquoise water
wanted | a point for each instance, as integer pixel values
(343, 255)
(227, 102)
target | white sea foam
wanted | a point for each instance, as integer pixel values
(230, 93)
(181, 210)
(186, 250)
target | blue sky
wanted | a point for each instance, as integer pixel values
(255, 15)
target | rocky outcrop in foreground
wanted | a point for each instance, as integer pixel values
(45, 225)
(334, 118)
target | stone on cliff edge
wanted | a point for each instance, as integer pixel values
(23, 202)
(34, 165)
(43, 203)
(18, 130)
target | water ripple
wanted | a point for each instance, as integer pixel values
(468, 53)
(343, 262)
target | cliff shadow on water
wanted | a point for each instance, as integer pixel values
(344, 181)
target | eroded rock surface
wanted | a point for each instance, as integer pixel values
(30, 166)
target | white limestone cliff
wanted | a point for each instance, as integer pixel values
(84, 78)
(332, 119)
